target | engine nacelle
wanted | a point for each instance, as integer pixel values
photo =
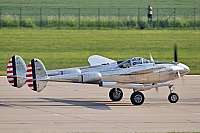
(89, 77)
(63, 71)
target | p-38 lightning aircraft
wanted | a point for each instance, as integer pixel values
(135, 73)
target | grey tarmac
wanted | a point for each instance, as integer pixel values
(67, 107)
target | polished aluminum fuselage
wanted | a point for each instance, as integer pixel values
(164, 73)
(146, 73)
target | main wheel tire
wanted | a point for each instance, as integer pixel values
(173, 98)
(115, 94)
(137, 98)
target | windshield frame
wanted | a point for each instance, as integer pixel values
(133, 62)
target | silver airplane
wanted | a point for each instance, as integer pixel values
(135, 73)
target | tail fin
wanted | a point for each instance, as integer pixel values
(16, 71)
(36, 75)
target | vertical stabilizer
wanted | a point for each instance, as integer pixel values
(36, 75)
(16, 71)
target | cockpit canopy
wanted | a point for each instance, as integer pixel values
(133, 61)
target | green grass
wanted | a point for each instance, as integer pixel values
(63, 48)
(103, 3)
(113, 14)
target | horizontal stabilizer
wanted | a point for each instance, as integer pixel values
(96, 60)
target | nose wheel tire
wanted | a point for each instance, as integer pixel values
(115, 94)
(173, 98)
(137, 98)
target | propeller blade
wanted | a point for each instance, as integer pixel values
(179, 75)
(175, 53)
(151, 58)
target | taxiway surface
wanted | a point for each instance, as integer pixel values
(66, 107)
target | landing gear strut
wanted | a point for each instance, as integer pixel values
(173, 97)
(115, 94)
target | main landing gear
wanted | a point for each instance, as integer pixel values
(116, 94)
(173, 97)
(137, 98)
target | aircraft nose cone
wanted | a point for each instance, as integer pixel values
(186, 68)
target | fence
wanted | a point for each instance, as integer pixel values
(99, 18)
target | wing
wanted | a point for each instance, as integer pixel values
(142, 70)
(95, 60)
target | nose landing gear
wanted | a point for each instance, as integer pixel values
(173, 97)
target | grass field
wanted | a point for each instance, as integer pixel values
(62, 48)
(103, 3)
(99, 14)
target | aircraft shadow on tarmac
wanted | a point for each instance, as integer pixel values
(4, 105)
(87, 104)
(57, 102)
